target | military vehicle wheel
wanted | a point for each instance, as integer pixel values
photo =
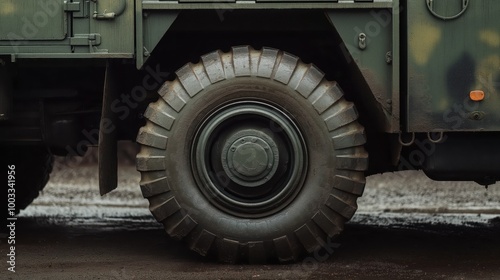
(33, 166)
(252, 155)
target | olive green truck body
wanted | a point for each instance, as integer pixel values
(424, 75)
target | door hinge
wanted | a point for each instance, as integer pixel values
(71, 7)
(85, 40)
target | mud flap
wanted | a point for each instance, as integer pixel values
(5, 92)
(108, 162)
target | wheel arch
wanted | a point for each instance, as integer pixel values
(308, 34)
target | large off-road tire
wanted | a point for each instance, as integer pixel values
(33, 166)
(252, 155)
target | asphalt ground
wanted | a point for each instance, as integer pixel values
(407, 227)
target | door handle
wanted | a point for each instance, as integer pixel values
(430, 7)
(109, 15)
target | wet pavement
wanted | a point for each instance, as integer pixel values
(407, 227)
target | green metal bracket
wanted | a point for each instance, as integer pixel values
(150, 26)
(71, 7)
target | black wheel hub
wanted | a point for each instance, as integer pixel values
(249, 159)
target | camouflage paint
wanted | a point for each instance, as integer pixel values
(449, 58)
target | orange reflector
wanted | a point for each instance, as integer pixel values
(477, 95)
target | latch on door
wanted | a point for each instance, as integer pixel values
(85, 40)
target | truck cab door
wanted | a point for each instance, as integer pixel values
(67, 28)
(33, 20)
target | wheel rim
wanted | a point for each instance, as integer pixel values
(249, 159)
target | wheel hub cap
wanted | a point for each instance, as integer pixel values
(250, 158)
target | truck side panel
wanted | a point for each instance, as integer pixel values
(447, 59)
